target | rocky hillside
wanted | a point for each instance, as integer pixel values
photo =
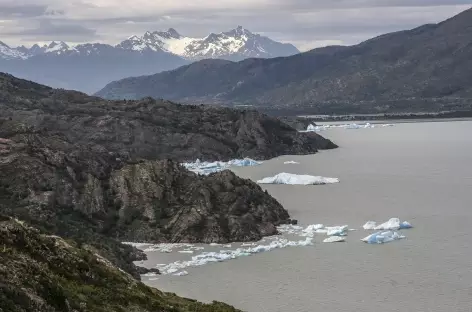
(101, 171)
(43, 273)
(426, 68)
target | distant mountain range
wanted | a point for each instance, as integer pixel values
(87, 67)
(426, 68)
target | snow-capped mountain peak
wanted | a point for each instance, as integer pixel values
(236, 44)
(8, 53)
(56, 46)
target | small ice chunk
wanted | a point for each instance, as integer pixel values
(182, 273)
(291, 162)
(215, 244)
(334, 239)
(370, 225)
(206, 168)
(296, 179)
(393, 224)
(405, 225)
(312, 229)
(382, 237)
(311, 127)
(246, 162)
(186, 251)
(337, 230)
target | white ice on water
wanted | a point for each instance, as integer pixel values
(311, 230)
(297, 179)
(313, 128)
(206, 168)
(225, 255)
(386, 231)
(392, 224)
(383, 237)
(334, 239)
(291, 162)
(333, 234)
(181, 273)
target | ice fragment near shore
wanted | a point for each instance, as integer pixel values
(291, 162)
(206, 168)
(312, 128)
(296, 179)
(334, 239)
(182, 273)
(337, 230)
(382, 237)
(225, 255)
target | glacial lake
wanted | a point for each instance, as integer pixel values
(419, 172)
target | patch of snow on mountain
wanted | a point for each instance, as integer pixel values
(10, 53)
(56, 47)
(177, 46)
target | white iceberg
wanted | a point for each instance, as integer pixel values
(225, 255)
(206, 168)
(337, 230)
(382, 237)
(334, 239)
(370, 225)
(296, 179)
(291, 162)
(392, 224)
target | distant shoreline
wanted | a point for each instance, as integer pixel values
(458, 115)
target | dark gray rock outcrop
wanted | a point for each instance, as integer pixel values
(101, 172)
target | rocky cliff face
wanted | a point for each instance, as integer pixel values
(43, 273)
(99, 171)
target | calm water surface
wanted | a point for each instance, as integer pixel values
(420, 172)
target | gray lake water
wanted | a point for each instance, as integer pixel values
(419, 172)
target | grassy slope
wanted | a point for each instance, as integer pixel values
(46, 273)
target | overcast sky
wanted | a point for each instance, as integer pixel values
(305, 23)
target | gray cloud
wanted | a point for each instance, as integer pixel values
(11, 11)
(307, 23)
(53, 30)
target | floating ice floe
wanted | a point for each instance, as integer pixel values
(313, 229)
(206, 168)
(297, 179)
(313, 128)
(291, 162)
(337, 230)
(392, 224)
(382, 237)
(334, 239)
(168, 248)
(182, 273)
(225, 255)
